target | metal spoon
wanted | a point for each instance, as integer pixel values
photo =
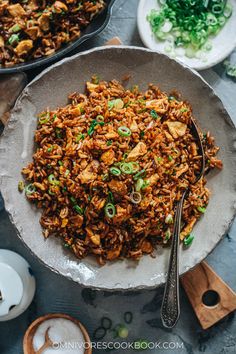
(170, 309)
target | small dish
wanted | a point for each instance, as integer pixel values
(29, 334)
(222, 44)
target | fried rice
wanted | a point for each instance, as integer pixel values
(31, 29)
(110, 166)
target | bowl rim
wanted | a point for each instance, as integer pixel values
(226, 117)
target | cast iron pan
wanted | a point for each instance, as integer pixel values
(94, 28)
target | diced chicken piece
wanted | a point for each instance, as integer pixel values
(160, 105)
(134, 126)
(98, 203)
(44, 22)
(60, 6)
(108, 157)
(113, 254)
(77, 220)
(1, 42)
(89, 174)
(91, 87)
(183, 169)
(139, 150)
(153, 179)
(146, 247)
(33, 32)
(24, 47)
(16, 10)
(118, 187)
(176, 128)
(122, 214)
(111, 135)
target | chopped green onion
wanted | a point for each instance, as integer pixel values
(154, 114)
(110, 210)
(60, 163)
(126, 167)
(79, 137)
(100, 118)
(93, 125)
(139, 184)
(110, 197)
(44, 118)
(78, 209)
(201, 209)
(16, 28)
(167, 236)
(53, 180)
(122, 331)
(135, 197)
(188, 240)
(141, 173)
(135, 166)
(115, 171)
(50, 148)
(67, 173)
(169, 219)
(142, 133)
(124, 131)
(170, 158)
(109, 142)
(14, 39)
(73, 200)
(145, 184)
(30, 189)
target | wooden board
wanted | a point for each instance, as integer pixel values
(196, 283)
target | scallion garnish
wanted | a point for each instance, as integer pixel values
(139, 184)
(154, 114)
(78, 209)
(30, 189)
(115, 171)
(126, 168)
(188, 240)
(124, 131)
(201, 209)
(53, 180)
(141, 173)
(135, 197)
(110, 210)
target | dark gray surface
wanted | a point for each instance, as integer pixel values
(57, 294)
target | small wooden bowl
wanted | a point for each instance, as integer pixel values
(29, 334)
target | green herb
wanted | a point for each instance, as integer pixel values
(110, 210)
(78, 209)
(169, 219)
(79, 137)
(50, 148)
(60, 163)
(30, 189)
(14, 39)
(115, 171)
(124, 131)
(93, 125)
(154, 114)
(182, 110)
(109, 142)
(110, 197)
(188, 240)
(201, 209)
(67, 173)
(117, 104)
(53, 180)
(170, 158)
(139, 184)
(145, 184)
(126, 168)
(141, 173)
(142, 133)
(16, 28)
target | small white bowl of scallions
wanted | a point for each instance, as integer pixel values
(200, 33)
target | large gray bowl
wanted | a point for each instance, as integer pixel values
(50, 89)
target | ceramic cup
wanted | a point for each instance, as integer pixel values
(17, 285)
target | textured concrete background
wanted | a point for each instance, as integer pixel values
(57, 294)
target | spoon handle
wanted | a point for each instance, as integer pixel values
(170, 309)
